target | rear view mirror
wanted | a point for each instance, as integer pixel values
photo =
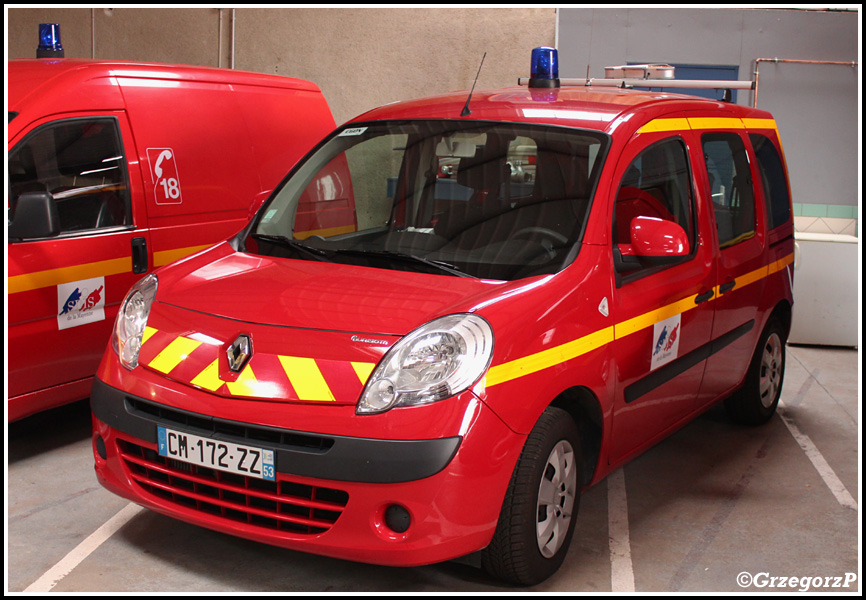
(34, 215)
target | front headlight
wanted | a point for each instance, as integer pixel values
(436, 361)
(132, 319)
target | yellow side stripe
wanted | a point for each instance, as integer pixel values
(306, 378)
(52, 277)
(649, 319)
(173, 354)
(548, 358)
(686, 124)
(102, 268)
(165, 257)
(715, 123)
(564, 352)
(659, 125)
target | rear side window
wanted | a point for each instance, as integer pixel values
(730, 186)
(773, 179)
(80, 162)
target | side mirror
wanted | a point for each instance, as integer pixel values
(34, 216)
(654, 242)
(658, 238)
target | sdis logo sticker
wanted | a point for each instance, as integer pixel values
(80, 302)
(666, 341)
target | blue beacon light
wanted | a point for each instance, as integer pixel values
(544, 71)
(49, 41)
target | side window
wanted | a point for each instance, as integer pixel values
(80, 162)
(730, 186)
(656, 184)
(773, 179)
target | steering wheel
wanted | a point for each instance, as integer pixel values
(546, 243)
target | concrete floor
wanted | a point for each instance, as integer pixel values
(712, 506)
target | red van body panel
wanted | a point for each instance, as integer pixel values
(630, 345)
(197, 146)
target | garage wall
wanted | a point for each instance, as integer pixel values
(360, 57)
(816, 107)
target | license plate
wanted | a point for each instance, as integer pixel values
(215, 454)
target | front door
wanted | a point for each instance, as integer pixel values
(663, 312)
(64, 291)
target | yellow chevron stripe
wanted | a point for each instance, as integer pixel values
(245, 385)
(209, 378)
(173, 354)
(306, 378)
(363, 370)
(148, 332)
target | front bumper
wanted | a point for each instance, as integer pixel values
(332, 493)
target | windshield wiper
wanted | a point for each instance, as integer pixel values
(436, 264)
(282, 240)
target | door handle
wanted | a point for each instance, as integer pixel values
(704, 297)
(139, 255)
(727, 287)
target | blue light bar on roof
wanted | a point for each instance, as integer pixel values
(49, 41)
(544, 71)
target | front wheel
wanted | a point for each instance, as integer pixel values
(540, 508)
(756, 402)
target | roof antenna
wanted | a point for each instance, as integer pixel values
(466, 110)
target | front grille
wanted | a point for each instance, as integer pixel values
(243, 433)
(281, 506)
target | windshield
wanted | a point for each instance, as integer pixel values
(479, 199)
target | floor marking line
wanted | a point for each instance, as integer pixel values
(53, 576)
(621, 570)
(828, 475)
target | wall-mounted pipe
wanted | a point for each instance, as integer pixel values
(794, 60)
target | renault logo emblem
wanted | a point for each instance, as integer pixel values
(240, 352)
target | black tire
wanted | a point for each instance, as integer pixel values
(520, 553)
(757, 400)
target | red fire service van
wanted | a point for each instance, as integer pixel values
(541, 283)
(116, 168)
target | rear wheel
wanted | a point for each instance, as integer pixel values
(538, 515)
(756, 402)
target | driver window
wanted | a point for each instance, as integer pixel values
(80, 162)
(656, 184)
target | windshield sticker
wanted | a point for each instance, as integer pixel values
(666, 341)
(353, 131)
(269, 215)
(80, 302)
